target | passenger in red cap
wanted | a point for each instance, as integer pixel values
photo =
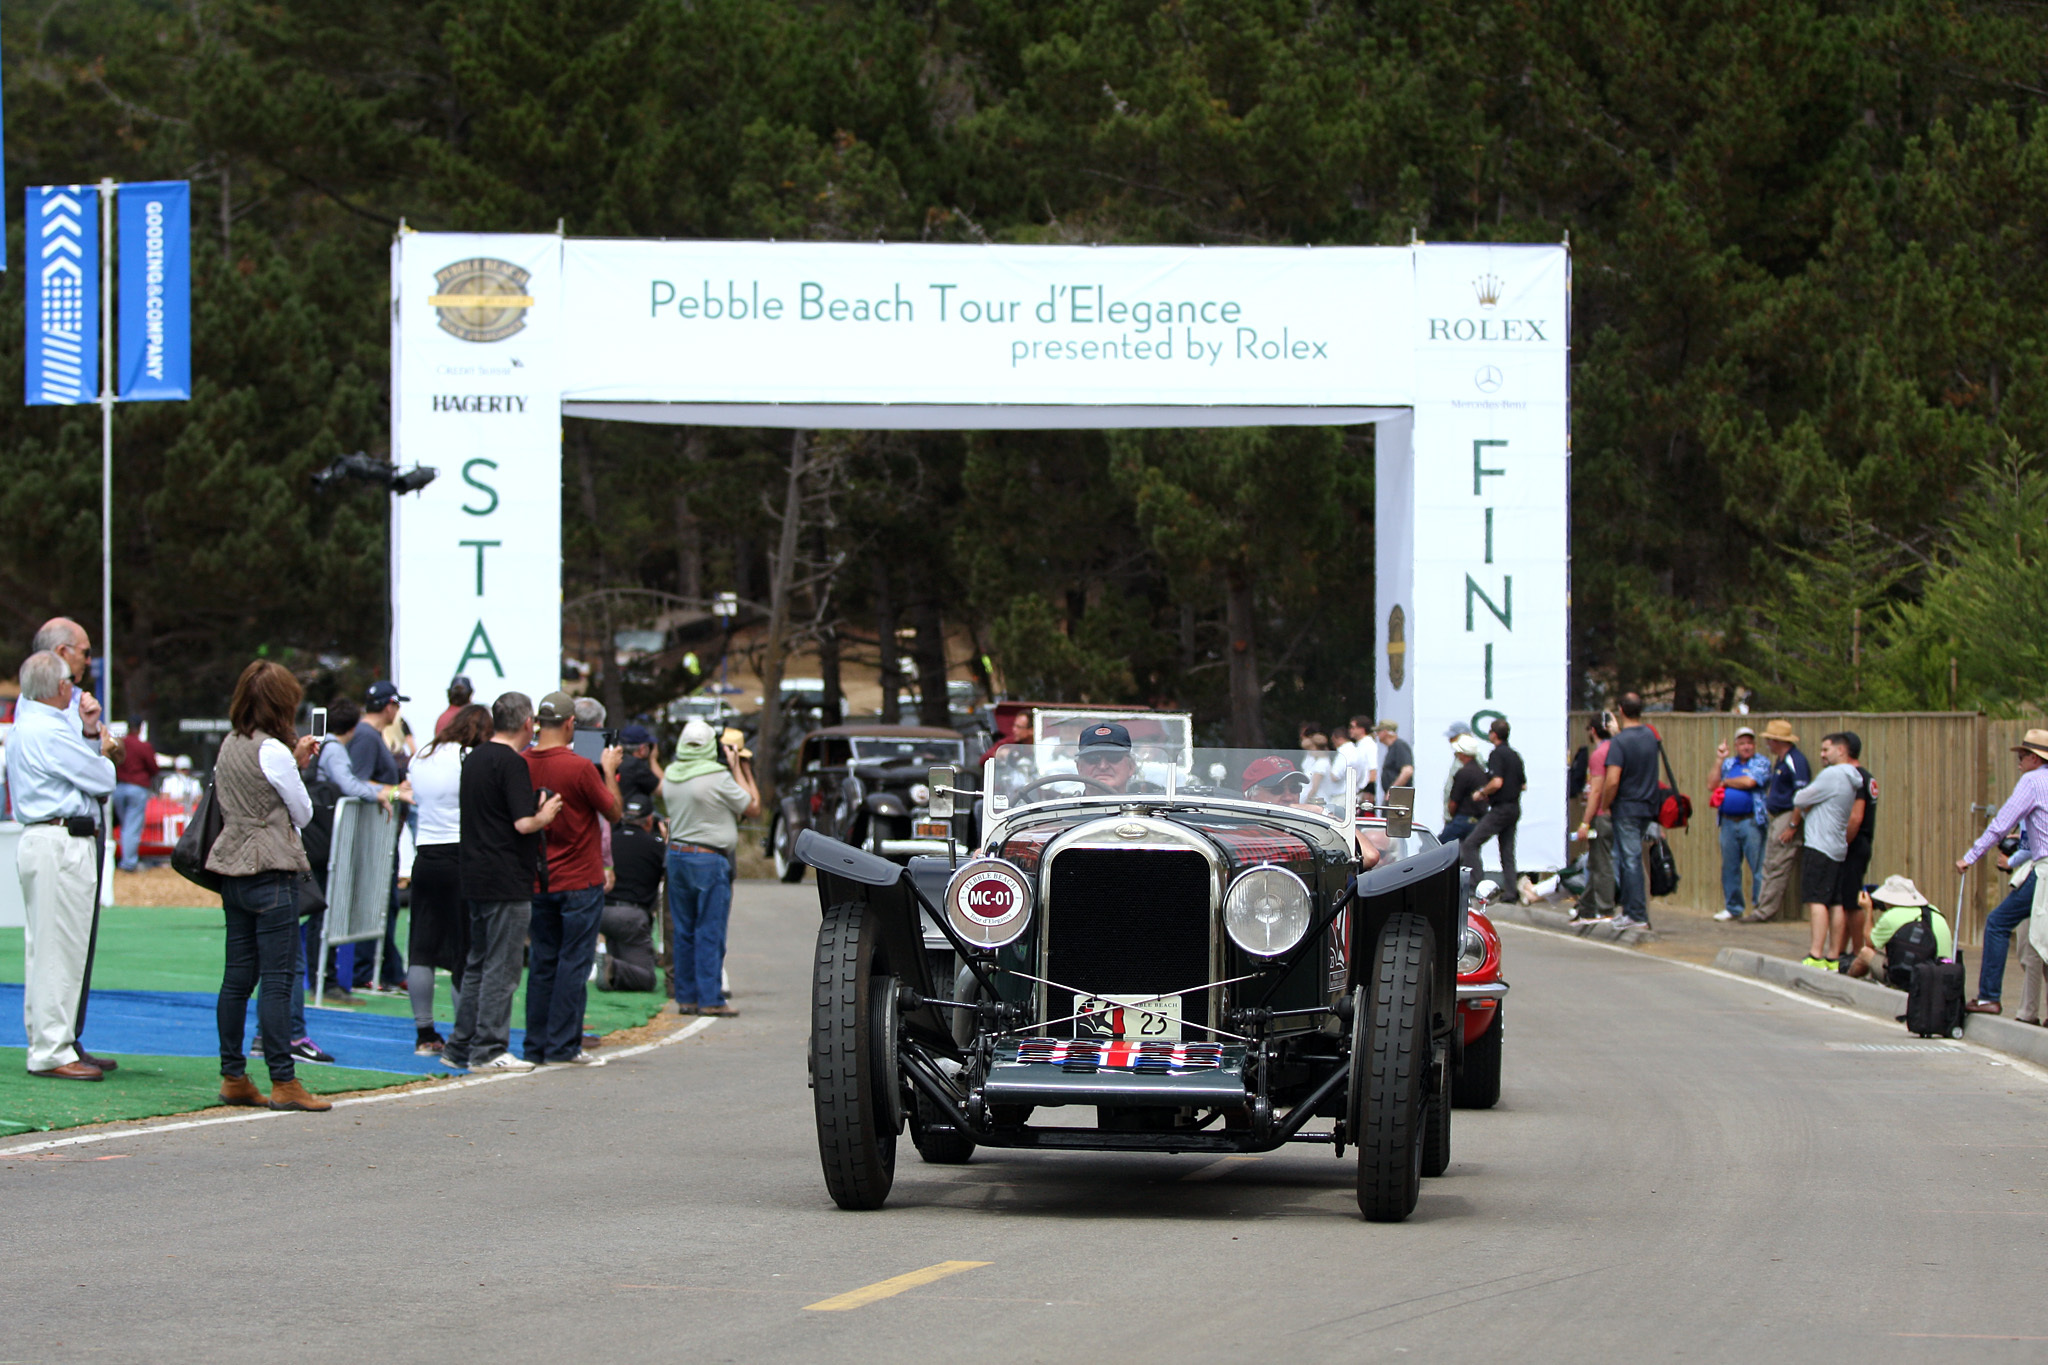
(1275, 780)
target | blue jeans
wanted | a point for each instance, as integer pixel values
(1741, 837)
(562, 937)
(1632, 890)
(699, 903)
(1998, 937)
(131, 809)
(262, 923)
(1457, 829)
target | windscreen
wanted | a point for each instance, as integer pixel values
(924, 752)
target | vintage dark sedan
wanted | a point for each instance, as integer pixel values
(1213, 962)
(863, 785)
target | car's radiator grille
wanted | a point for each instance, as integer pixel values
(1128, 922)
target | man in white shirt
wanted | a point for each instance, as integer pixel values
(56, 779)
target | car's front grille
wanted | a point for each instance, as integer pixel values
(1128, 922)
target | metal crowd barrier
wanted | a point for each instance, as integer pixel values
(360, 866)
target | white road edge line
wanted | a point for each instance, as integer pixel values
(380, 1097)
(1990, 1054)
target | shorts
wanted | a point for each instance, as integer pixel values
(1821, 879)
(1855, 869)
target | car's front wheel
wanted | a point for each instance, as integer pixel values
(853, 1061)
(781, 842)
(1391, 1056)
(1477, 1085)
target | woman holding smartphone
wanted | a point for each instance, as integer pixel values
(263, 806)
(439, 936)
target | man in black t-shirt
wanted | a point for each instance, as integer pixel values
(501, 825)
(639, 857)
(1463, 804)
(1632, 796)
(636, 771)
(1505, 778)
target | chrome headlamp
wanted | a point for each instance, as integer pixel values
(1471, 951)
(1267, 910)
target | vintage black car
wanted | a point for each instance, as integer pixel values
(863, 785)
(1222, 965)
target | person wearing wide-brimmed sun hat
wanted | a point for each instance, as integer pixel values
(1789, 773)
(1894, 905)
(2028, 804)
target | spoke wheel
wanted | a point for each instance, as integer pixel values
(1477, 1083)
(852, 1022)
(1391, 1025)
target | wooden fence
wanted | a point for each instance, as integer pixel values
(1940, 775)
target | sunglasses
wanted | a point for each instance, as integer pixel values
(1095, 760)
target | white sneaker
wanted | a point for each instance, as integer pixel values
(502, 1063)
(582, 1059)
(1726, 915)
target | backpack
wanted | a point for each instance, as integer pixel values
(1910, 946)
(318, 835)
(1674, 808)
(1660, 865)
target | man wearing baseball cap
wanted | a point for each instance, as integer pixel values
(636, 771)
(1274, 780)
(2028, 804)
(568, 902)
(1741, 781)
(1105, 756)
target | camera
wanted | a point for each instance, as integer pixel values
(541, 797)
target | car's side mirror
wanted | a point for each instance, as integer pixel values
(941, 800)
(1399, 809)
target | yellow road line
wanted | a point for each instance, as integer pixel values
(889, 1288)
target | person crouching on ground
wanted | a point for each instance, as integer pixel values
(263, 806)
(1893, 907)
(639, 856)
(705, 799)
(568, 904)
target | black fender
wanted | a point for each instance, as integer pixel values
(846, 873)
(1431, 885)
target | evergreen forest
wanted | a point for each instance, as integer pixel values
(1810, 340)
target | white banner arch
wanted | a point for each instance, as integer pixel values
(1458, 352)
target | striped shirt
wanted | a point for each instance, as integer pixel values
(2028, 803)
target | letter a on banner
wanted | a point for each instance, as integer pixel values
(63, 294)
(155, 261)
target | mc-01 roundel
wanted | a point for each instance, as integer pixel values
(988, 902)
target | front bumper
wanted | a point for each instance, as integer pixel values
(909, 848)
(1059, 1071)
(1491, 991)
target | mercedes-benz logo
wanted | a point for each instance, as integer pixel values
(1488, 378)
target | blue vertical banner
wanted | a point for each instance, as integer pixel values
(63, 294)
(154, 219)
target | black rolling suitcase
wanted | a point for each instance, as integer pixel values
(1934, 995)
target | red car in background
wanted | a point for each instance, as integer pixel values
(1475, 1073)
(161, 826)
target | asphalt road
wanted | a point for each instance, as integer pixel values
(1682, 1165)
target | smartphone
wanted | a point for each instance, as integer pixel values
(319, 722)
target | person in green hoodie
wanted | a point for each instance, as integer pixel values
(706, 797)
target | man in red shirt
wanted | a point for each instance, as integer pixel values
(568, 902)
(134, 777)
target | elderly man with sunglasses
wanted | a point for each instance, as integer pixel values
(1105, 757)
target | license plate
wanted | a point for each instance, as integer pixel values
(933, 829)
(1132, 1018)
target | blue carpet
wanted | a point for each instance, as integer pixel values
(181, 1024)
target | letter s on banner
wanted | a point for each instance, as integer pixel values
(155, 261)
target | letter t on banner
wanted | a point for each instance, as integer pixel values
(156, 290)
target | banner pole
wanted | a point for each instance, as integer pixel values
(107, 451)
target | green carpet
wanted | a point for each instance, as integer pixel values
(144, 1087)
(181, 950)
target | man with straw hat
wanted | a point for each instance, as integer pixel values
(1789, 772)
(2029, 804)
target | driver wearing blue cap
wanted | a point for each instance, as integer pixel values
(1105, 756)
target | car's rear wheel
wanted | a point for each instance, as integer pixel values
(1477, 1081)
(938, 1142)
(1392, 1027)
(1436, 1126)
(781, 842)
(853, 1064)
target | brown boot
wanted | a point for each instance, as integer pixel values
(292, 1095)
(241, 1090)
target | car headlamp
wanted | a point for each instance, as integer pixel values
(988, 902)
(1471, 951)
(1267, 910)
(920, 793)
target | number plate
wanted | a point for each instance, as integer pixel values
(933, 829)
(1120, 1016)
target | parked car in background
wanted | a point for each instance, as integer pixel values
(865, 785)
(1475, 1070)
